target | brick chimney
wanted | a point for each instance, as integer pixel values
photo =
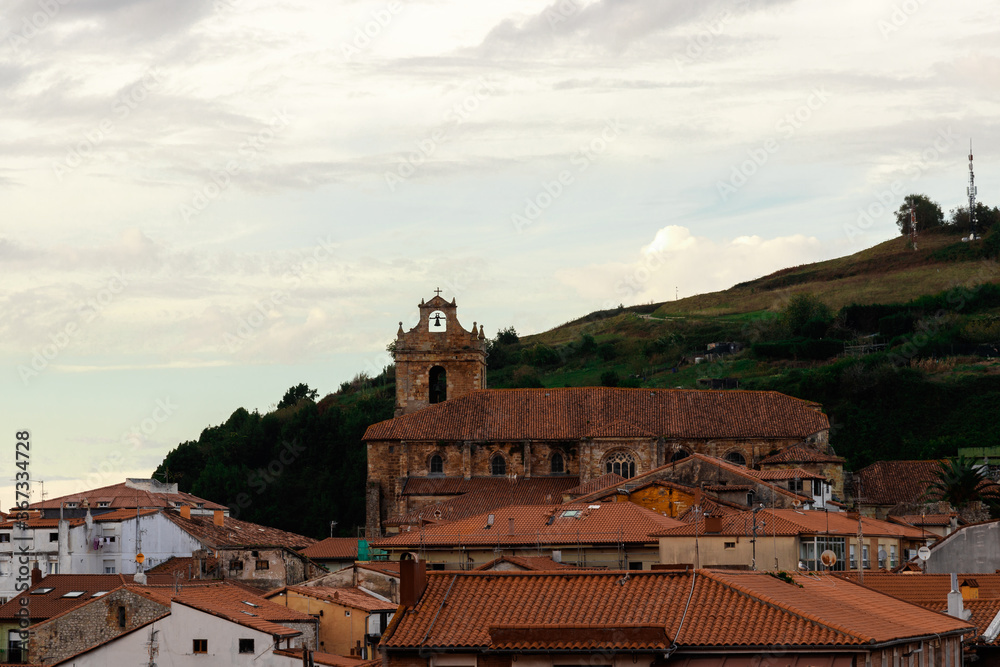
(185, 511)
(217, 517)
(713, 524)
(412, 581)
(36, 575)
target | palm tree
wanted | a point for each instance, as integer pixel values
(960, 482)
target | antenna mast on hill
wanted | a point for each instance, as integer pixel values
(913, 227)
(972, 197)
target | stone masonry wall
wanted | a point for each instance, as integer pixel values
(83, 627)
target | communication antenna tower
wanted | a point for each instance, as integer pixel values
(972, 197)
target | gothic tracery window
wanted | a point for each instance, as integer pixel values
(620, 463)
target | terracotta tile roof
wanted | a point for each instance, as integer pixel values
(711, 507)
(50, 604)
(185, 565)
(983, 611)
(576, 413)
(123, 514)
(356, 598)
(786, 473)
(799, 522)
(329, 659)
(609, 480)
(894, 482)
(389, 567)
(800, 454)
(551, 525)
(236, 533)
(333, 548)
(120, 496)
(526, 563)
(589, 610)
(664, 471)
(480, 494)
(231, 603)
(927, 519)
(40, 523)
(723, 488)
(924, 589)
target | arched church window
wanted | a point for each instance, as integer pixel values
(620, 463)
(438, 382)
(680, 454)
(737, 458)
(498, 465)
(558, 465)
(437, 464)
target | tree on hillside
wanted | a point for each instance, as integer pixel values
(986, 218)
(296, 394)
(806, 315)
(929, 214)
(961, 482)
(507, 336)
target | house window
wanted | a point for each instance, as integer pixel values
(235, 565)
(811, 551)
(438, 384)
(498, 465)
(865, 561)
(200, 646)
(109, 567)
(121, 617)
(263, 565)
(730, 545)
(52, 568)
(437, 464)
(892, 556)
(558, 465)
(53, 537)
(737, 458)
(4, 537)
(620, 463)
(246, 646)
(795, 485)
(635, 565)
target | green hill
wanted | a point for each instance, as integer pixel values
(929, 387)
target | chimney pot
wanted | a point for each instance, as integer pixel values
(510, 525)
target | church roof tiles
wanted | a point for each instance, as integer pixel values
(582, 412)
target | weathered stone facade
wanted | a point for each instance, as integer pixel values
(437, 359)
(266, 568)
(91, 624)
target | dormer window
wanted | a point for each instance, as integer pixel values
(104, 503)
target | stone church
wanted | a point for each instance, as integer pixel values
(451, 435)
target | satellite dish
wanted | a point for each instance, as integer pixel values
(796, 504)
(924, 554)
(828, 558)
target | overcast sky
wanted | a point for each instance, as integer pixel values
(205, 203)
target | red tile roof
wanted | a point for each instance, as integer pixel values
(924, 589)
(928, 519)
(356, 598)
(329, 659)
(596, 484)
(231, 602)
(894, 482)
(526, 563)
(533, 524)
(333, 548)
(801, 454)
(478, 495)
(799, 522)
(582, 412)
(785, 473)
(387, 567)
(120, 496)
(236, 533)
(588, 611)
(665, 471)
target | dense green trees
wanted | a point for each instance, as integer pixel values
(929, 214)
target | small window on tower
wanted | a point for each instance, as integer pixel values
(437, 464)
(438, 385)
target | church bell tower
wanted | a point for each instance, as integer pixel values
(437, 359)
